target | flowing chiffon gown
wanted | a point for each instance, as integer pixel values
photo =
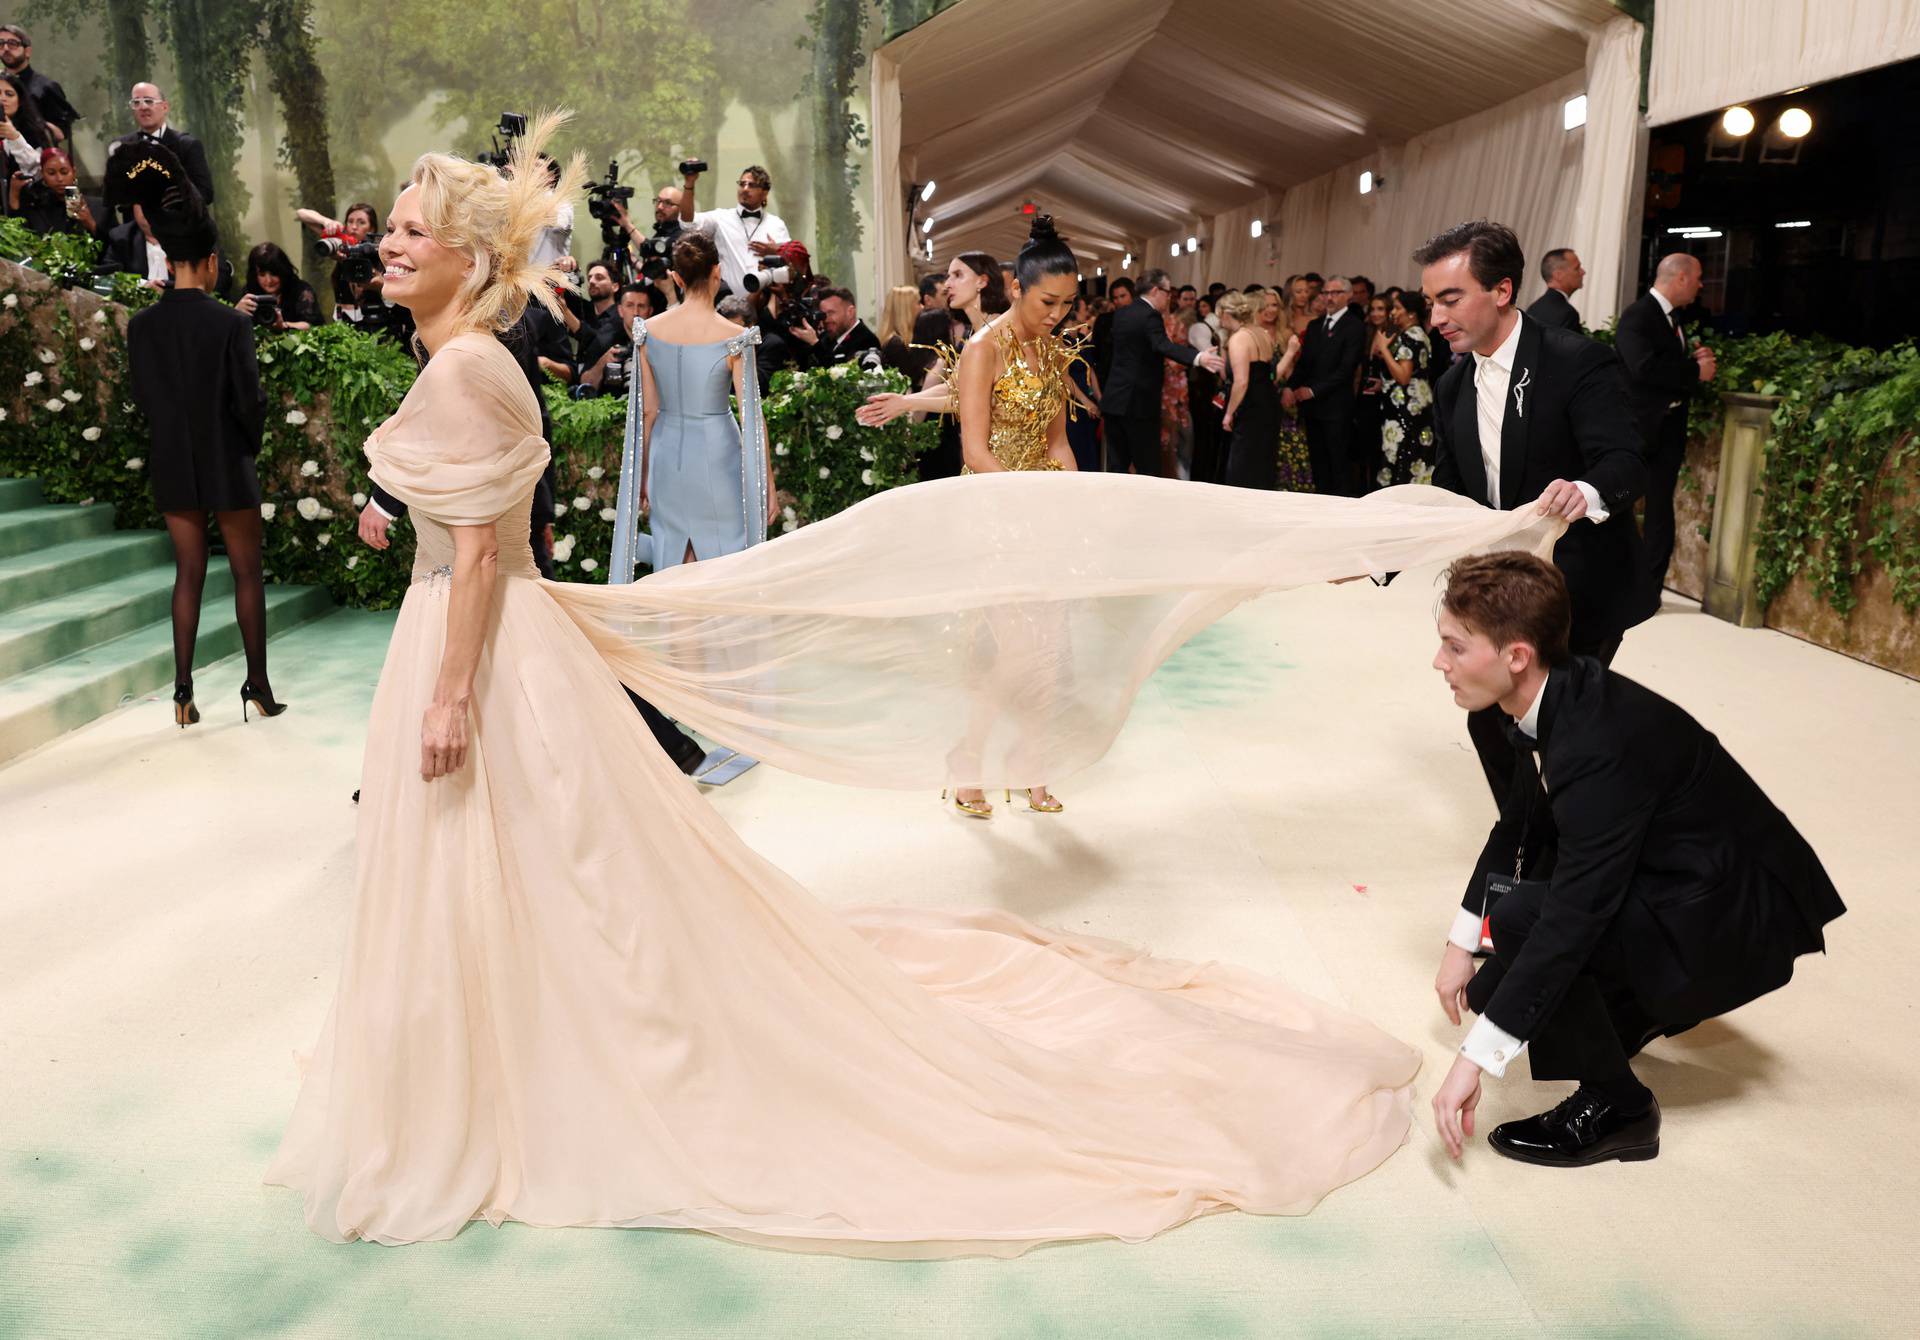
(572, 996)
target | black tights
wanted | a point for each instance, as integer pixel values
(241, 532)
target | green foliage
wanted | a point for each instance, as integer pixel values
(57, 255)
(825, 461)
(1840, 474)
(1842, 487)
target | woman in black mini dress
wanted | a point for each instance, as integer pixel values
(191, 362)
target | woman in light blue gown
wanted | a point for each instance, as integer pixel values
(706, 477)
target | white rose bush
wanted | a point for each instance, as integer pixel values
(823, 460)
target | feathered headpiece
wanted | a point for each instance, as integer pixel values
(500, 216)
(147, 175)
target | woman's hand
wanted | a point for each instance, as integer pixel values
(8, 131)
(443, 739)
(245, 304)
(881, 408)
(1226, 421)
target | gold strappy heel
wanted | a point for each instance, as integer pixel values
(1051, 805)
(973, 809)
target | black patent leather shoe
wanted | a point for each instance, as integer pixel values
(1584, 1129)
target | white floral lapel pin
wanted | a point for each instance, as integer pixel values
(1519, 393)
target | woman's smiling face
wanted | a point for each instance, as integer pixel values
(421, 274)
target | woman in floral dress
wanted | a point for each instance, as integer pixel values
(1406, 428)
(1175, 418)
(1295, 470)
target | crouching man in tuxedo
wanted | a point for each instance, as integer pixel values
(1677, 891)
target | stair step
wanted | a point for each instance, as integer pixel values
(54, 699)
(65, 624)
(45, 573)
(18, 493)
(29, 528)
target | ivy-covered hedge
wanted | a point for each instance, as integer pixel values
(66, 419)
(1842, 473)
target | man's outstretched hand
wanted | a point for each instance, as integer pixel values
(1453, 1106)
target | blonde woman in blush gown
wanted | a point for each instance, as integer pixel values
(572, 996)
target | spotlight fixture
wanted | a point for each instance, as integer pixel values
(1099, 272)
(1795, 123)
(1176, 248)
(926, 193)
(1702, 235)
(1126, 261)
(929, 248)
(1737, 121)
(1366, 183)
(926, 225)
(1573, 112)
(1256, 227)
(1193, 245)
(1795, 223)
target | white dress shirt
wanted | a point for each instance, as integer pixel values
(1488, 1045)
(555, 240)
(1332, 319)
(731, 234)
(1492, 378)
(156, 264)
(1666, 307)
(26, 158)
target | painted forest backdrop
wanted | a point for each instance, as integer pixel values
(322, 102)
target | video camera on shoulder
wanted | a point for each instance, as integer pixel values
(512, 126)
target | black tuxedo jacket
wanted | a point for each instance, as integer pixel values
(1327, 363)
(1676, 878)
(190, 152)
(1131, 389)
(1660, 369)
(1553, 308)
(1566, 418)
(848, 349)
(126, 249)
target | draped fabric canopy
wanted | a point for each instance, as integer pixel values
(1131, 119)
(1708, 54)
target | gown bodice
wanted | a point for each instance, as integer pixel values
(1027, 396)
(513, 531)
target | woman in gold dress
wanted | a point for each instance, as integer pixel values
(1011, 391)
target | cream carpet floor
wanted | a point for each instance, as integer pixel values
(1295, 792)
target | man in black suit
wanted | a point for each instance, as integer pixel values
(131, 248)
(847, 339)
(1130, 395)
(149, 107)
(1120, 293)
(1663, 374)
(1321, 389)
(1563, 274)
(1529, 413)
(49, 99)
(1678, 892)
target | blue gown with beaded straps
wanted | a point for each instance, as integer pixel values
(704, 489)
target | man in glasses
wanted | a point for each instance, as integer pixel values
(49, 99)
(149, 107)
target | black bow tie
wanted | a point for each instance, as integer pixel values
(1518, 738)
(749, 213)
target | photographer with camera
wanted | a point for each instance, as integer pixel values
(842, 336)
(597, 329)
(54, 204)
(276, 296)
(651, 253)
(353, 244)
(745, 232)
(608, 373)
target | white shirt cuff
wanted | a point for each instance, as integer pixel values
(378, 508)
(1596, 510)
(1465, 931)
(1491, 1047)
